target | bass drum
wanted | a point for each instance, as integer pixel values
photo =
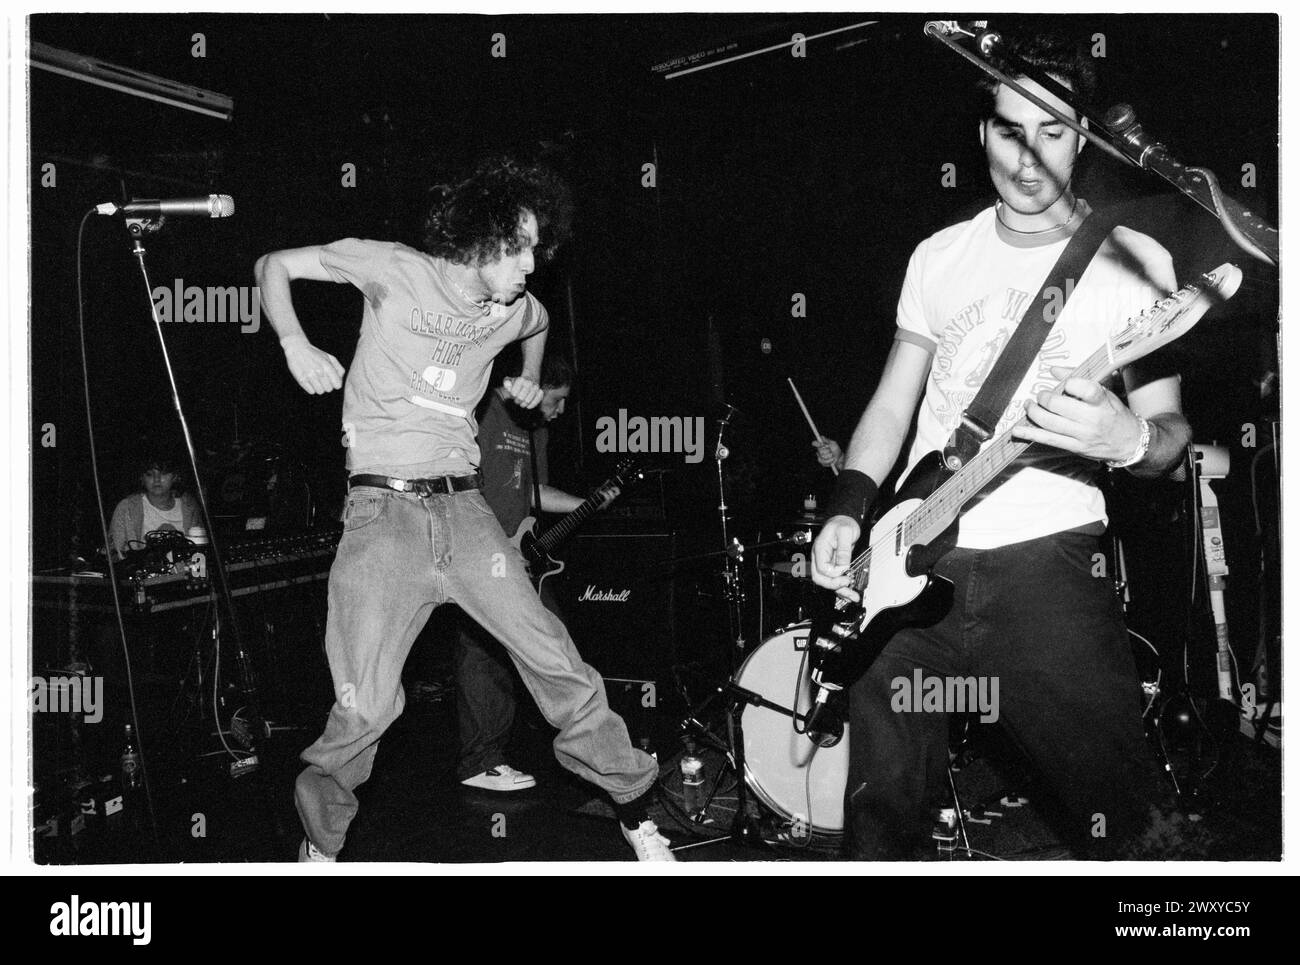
(800, 781)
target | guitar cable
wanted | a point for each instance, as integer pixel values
(804, 676)
(1267, 722)
(1193, 481)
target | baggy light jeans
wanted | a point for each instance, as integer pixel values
(401, 556)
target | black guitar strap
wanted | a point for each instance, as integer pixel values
(537, 481)
(983, 414)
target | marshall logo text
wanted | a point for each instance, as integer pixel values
(604, 596)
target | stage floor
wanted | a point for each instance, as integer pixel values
(414, 810)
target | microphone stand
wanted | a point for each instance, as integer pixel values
(733, 592)
(138, 226)
(1123, 139)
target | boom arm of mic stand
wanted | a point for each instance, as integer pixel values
(1202, 187)
(1047, 82)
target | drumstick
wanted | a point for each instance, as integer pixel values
(811, 425)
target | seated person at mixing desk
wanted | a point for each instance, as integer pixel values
(161, 504)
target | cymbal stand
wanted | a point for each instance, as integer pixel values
(744, 829)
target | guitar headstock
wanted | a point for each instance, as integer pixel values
(628, 471)
(1173, 316)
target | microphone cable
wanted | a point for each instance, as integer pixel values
(103, 524)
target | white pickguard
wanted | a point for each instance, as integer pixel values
(890, 585)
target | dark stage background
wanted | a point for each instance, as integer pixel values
(775, 175)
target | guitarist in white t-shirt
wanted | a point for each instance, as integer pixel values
(1029, 621)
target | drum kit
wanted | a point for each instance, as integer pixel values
(797, 780)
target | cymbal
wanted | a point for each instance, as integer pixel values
(807, 519)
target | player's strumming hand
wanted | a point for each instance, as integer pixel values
(526, 393)
(316, 371)
(1085, 418)
(832, 552)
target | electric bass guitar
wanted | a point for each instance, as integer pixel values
(893, 575)
(537, 550)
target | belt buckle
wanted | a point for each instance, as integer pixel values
(435, 486)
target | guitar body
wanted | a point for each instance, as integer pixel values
(536, 549)
(540, 564)
(901, 589)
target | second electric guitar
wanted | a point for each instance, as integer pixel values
(537, 550)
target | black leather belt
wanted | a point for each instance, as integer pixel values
(422, 487)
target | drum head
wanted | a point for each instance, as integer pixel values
(789, 773)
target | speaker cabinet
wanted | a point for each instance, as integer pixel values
(617, 596)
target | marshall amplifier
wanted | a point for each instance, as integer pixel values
(617, 597)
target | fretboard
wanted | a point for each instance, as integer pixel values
(561, 531)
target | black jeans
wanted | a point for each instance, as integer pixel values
(485, 692)
(1034, 618)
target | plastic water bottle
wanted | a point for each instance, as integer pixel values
(130, 762)
(692, 783)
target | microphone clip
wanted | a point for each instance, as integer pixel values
(138, 225)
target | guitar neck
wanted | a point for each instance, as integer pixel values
(934, 515)
(558, 533)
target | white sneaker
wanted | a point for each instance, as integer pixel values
(309, 852)
(648, 843)
(503, 777)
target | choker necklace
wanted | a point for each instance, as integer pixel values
(1074, 209)
(482, 305)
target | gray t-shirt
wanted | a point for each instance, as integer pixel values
(422, 362)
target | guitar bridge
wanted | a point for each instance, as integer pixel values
(844, 631)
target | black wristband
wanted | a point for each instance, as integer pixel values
(853, 496)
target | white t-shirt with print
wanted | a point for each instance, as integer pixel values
(967, 287)
(156, 519)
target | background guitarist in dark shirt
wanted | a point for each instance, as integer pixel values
(1029, 613)
(508, 438)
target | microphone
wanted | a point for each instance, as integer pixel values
(1121, 120)
(822, 725)
(213, 206)
(950, 28)
(985, 40)
(824, 722)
